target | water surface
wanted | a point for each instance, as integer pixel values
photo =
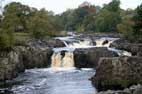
(59, 81)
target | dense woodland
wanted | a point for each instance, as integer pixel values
(18, 18)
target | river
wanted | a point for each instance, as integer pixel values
(51, 81)
(62, 77)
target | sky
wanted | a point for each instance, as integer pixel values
(59, 6)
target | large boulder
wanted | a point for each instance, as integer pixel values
(134, 48)
(89, 57)
(11, 65)
(36, 58)
(20, 58)
(38, 43)
(117, 73)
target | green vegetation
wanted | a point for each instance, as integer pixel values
(81, 19)
(108, 17)
(126, 27)
(6, 40)
(131, 24)
(20, 39)
(138, 21)
(19, 22)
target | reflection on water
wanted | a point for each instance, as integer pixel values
(50, 81)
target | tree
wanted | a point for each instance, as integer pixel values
(80, 19)
(138, 21)
(39, 25)
(108, 17)
(126, 27)
(113, 6)
(16, 16)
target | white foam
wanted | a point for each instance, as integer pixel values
(120, 52)
(87, 69)
(69, 49)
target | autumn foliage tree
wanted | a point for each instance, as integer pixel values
(80, 19)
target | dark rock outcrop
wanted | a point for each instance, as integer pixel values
(11, 66)
(136, 89)
(117, 73)
(134, 48)
(35, 57)
(89, 57)
(21, 58)
(45, 43)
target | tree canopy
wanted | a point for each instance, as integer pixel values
(17, 17)
(108, 17)
(138, 21)
(80, 19)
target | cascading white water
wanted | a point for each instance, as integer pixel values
(72, 43)
(56, 59)
(120, 52)
(79, 44)
(104, 42)
(66, 61)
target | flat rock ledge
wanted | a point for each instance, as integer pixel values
(136, 89)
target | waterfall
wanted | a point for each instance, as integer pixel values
(75, 42)
(99, 43)
(81, 43)
(65, 43)
(56, 59)
(68, 60)
(105, 42)
(65, 61)
(120, 52)
(64, 58)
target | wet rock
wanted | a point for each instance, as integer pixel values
(134, 48)
(118, 73)
(36, 58)
(89, 57)
(105, 42)
(55, 43)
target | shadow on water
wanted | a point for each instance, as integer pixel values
(6, 87)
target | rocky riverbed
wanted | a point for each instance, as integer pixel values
(114, 73)
(117, 75)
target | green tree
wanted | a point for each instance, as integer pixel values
(138, 21)
(39, 24)
(79, 19)
(126, 27)
(113, 6)
(15, 16)
(108, 17)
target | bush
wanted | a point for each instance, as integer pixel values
(6, 40)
